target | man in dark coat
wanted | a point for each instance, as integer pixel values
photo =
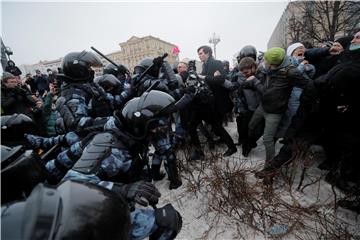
(327, 57)
(14, 98)
(213, 102)
(31, 82)
(42, 83)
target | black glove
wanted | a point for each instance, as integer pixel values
(141, 192)
(123, 69)
(158, 61)
(190, 89)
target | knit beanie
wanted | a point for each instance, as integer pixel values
(274, 56)
(344, 41)
(293, 47)
(6, 75)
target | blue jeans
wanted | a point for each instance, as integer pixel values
(294, 103)
(271, 124)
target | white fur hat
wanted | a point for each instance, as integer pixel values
(293, 47)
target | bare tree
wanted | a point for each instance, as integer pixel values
(296, 26)
(323, 20)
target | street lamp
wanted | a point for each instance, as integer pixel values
(214, 40)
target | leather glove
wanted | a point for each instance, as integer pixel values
(140, 192)
(190, 89)
(122, 68)
(158, 61)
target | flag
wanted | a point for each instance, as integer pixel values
(176, 50)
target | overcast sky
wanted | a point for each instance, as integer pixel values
(48, 30)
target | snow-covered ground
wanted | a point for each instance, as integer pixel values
(307, 214)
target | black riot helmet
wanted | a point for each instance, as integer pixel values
(109, 83)
(146, 63)
(142, 113)
(15, 120)
(61, 213)
(76, 66)
(119, 71)
(8, 153)
(14, 163)
(247, 51)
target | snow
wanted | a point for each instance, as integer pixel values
(200, 221)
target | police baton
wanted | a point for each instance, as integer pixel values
(109, 60)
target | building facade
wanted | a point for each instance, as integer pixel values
(135, 49)
(132, 51)
(42, 66)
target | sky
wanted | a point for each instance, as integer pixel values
(49, 30)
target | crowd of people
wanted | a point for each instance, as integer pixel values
(93, 134)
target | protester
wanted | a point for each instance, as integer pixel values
(212, 104)
(281, 76)
(42, 83)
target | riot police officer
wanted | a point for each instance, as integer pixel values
(157, 74)
(78, 90)
(79, 210)
(121, 72)
(120, 151)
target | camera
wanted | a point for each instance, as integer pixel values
(192, 70)
(12, 68)
(192, 66)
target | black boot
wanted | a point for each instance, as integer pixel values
(197, 154)
(173, 175)
(230, 151)
(353, 205)
(273, 166)
(156, 174)
(211, 144)
(247, 146)
(267, 172)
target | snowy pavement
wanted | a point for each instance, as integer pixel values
(316, 218)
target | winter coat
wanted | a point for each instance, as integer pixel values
(42, 83)
(32, 84)
(222, 102)
(247, 99)
(277, 86)
(49, 115)
(17, 100)
(321, 59)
